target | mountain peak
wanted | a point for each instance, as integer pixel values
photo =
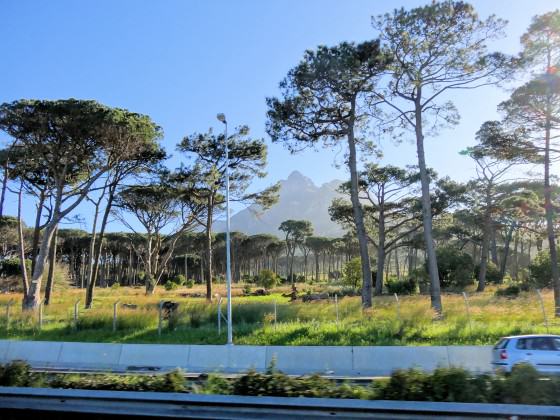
(298, 176)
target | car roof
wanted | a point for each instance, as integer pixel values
(531, 336)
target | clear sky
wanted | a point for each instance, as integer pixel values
(183, 61)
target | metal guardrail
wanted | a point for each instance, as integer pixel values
(48, 403)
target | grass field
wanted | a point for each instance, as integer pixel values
(298, 323)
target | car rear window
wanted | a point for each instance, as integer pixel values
(537, 343)
(502, 344)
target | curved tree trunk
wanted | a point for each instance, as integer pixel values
(21, 245)
(380, 254)
(52, 265)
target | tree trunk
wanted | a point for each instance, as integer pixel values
(33, 298)
(359, 214)
(4, 186)
(494, 245)
(209, 251)
(21, 245)
(507, 241)
(550, 216)
(52, 265)
(37, 230)
(380, 253)
(485, 244)
(435, 293)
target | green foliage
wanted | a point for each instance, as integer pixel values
(492, 273)
(455, 267)
(352, 273)
(12, 267)
(115, 286)
(189, 283)
(171, 285)
(540, 270)
(179, 280)
(510, 291)
(401, 287)
(267, 279)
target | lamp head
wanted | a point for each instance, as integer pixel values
(221, 117)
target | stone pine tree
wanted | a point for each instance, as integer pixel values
(436, 49)
(247, 161)
(68, 142)
(535, 108)
(295, 233)
(328, 97)
(166, 211)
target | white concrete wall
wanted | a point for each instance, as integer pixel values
(335, 360)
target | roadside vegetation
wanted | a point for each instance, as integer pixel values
(310, 322)
(523, 386)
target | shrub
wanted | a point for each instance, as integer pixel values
(352, 273)
(540, 270)
(401, 287)
(247, 289)
(12, 267)
(115, 286)
(455, 267)
(267, 279)
(170, 285)
(189, 283)
(178, 280)
(492, 272)
(510, 291)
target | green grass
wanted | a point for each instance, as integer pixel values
(297, 323)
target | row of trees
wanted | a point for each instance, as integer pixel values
(398, 86)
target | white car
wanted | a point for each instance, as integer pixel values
(542, 351)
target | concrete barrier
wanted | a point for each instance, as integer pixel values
(37, 353)
(382, 360)
(154, 355)
(473, 358)
(297, 360)
(335, 360)
(90, 355)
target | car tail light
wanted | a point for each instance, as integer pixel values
(503, 355)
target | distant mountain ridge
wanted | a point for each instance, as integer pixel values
(299, 199)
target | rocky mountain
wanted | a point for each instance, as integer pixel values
(300, 199)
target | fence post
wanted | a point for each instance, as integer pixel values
(275, 315)
(115, 305)
(160, 317)
(543, 309)
(41, 314)
(467, 307)
(10, 303)
(336, 307)
(398, 308)
(76, 314)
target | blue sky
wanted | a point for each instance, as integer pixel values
(183, 61)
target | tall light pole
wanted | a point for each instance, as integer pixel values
(222, 119)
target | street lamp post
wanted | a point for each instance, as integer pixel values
(222, 119)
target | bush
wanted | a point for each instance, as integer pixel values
(352, 273)
(510, 291)
(170, 285)
(189, 283)
(267, 279)
(492, 273)
(179, 280)
(401, 287)
(540, 270)
(455, 267)
(12, 267)
(115, 286)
